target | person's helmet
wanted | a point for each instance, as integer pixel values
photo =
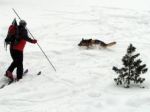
(22, 23)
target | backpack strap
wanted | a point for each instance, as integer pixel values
(5, 45)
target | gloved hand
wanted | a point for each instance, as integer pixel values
(34, 41)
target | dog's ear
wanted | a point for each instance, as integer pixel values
(82, 38)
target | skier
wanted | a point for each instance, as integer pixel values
(16, 51)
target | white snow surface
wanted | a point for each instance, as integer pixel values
(83, 81)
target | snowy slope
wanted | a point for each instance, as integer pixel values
(84, 78)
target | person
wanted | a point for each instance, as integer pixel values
(16, 51)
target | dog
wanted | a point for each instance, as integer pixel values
(89, 42)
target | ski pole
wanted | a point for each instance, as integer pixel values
(37, 43)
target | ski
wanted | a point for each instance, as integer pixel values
(39, 73)
(9, 82)
(25, 72)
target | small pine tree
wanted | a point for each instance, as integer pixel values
(132, 69)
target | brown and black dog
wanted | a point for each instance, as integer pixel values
(90, 42)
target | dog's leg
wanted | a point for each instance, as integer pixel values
(103, 44)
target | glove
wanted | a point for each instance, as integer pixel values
(34, 41)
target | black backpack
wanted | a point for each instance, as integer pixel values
(12, 35)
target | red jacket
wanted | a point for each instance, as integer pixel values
(23, 35)
(20, 46)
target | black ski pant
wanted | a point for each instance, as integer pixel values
(17, 63)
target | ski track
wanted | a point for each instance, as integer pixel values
(84, 78)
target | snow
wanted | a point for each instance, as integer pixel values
(83, 81)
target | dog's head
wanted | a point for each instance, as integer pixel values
(85, 42)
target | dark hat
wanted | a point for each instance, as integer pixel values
(22, 23)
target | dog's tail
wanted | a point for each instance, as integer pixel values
(110, 44)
